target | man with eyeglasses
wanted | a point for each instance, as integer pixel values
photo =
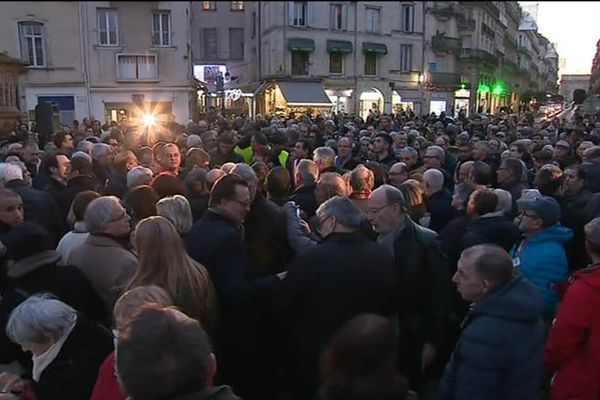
(425, 290)
(327, 284)
(541, 255)
(217, 241)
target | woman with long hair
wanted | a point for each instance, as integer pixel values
(165, 263)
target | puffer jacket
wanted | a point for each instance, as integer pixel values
(543, 262)
(499, 355)
(572, 352)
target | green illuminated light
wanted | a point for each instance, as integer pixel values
(463, 86)
(483, 88)
(498, 89)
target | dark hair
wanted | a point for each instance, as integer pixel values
(224, 189)
(142, 202)
(162, 354)
(484, 201)
(549, 180)
(196, 156)
(515, 166)
(50, 160)
(82, 165)
(165, 184)
(305, 144)
(360, 362)
(481, 173)
(59, 138)
(260, 138)
(581, 174)
(415, 200)
(379, 171)
(277, 182)
(81, 202)
(386, 138)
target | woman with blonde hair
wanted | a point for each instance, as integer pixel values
(177, 210)
(164, 262)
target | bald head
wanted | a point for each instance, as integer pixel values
(398, 174)
(433, 180)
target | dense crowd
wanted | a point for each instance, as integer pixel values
(331, 258)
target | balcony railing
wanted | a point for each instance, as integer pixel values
(444, 9)
(467, 25)
(445, 44)
(444, 79)
(475, 54)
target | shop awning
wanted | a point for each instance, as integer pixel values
(339, 46)
(308, 94)
(300, 44)
(378, 48)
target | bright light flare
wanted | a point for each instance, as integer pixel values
(149, 120)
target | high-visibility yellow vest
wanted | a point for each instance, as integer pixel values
(246, 153)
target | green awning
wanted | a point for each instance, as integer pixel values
(339, 46)
(299, 44)
(378, 48)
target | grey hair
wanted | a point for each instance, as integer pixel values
(504, 200)
(434, 178)
(438, 151)
(81, 154)
(592, 234)
(245, 172)
(99, 150)
(308, 170)
(343, 210)
(10, 172)
(196, 175)
(228, 167)
(485, 146)
(409, 151)
(134, 175)
(393, 195)
(324, 155)
(85, 146)
(362, 179)
(177, 210)
(40, 315)
(100, 212)
(194, 140)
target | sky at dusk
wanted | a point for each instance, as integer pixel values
(574, 27)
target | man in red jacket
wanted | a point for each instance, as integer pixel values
(572, 354)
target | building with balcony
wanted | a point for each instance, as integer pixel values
(109, 60)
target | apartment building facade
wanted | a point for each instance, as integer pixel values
(109, 60)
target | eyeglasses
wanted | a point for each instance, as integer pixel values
(523, 214)
(120, 217)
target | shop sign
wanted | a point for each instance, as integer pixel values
(233, 94)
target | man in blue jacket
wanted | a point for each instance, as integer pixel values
(541, 255)
(499, 354)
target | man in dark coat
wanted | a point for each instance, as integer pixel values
(306, 177)
(217, 241)
(425, 290)
(39, 206)
(328, 284)
(224, 152)
(438, 199)
(500, 352)
(509, 176)
(80, 179)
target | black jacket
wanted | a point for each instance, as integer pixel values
(117, 184)
(212, 393)
(592, 176)
(574, 215)
(218, 158)
(40, 207)
(75, 186)
(328, 284)
(40, 274)
(73, 373)
(439, 205)
(493, 229)
(304, 197)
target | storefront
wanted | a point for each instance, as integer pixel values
(341, 99)
(462, 101)
(285, 97)
(371, 102)
(406, 100)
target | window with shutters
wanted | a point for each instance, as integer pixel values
(300, 62)
(336, 63)
(161, 28)
(209, 43)
(406, 57)
(298, 13)
(371, 64)
(236, 43)
(108, 27)
(408, 17)
(373, 19)
(137, 67)
(337, 17)
(33, 48)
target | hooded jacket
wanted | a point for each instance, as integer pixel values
(492, 228)
(572, 351)
(543, 262)
(499, 354)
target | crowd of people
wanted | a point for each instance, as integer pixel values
(298, 257)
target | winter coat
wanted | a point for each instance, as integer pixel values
(107, 265)
(72, 374)
(574, 215)
(493, 228)
(107, 387)
(328, 284)
(304, 197)
(543, 262)
(75, 186)
(592, 176)
(71, 241)
(439, 204)
(573, 347)
(499, 355)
